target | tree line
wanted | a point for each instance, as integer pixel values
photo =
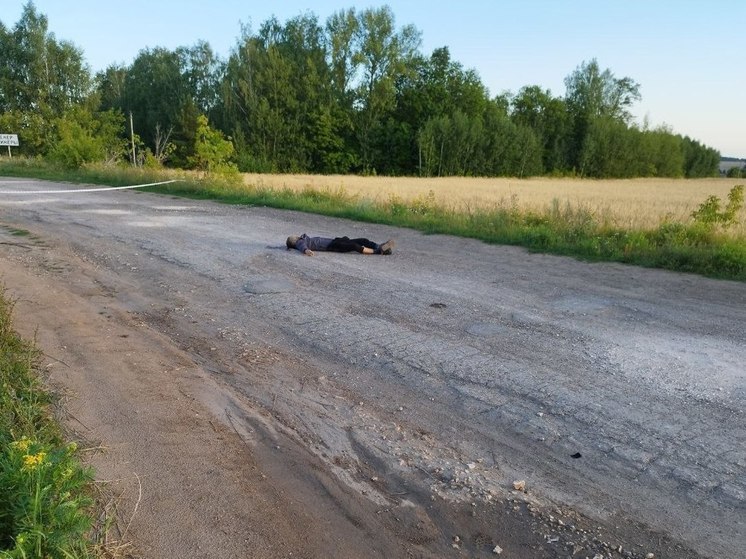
(353, 94)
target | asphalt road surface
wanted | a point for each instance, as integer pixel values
(391, 402)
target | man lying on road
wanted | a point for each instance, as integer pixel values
(307, 245)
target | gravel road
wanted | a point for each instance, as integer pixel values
(399, 397)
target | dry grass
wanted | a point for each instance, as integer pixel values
(633, 203)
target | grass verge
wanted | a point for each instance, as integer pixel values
(694, 246)
(45, 489)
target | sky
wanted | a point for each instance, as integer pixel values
(687, 55)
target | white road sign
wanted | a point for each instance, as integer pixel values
(8, 139)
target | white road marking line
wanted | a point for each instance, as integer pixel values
(105, 189)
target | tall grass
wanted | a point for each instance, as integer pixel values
(43, 487)
(628, 203)
(94, 174)
(582, 228)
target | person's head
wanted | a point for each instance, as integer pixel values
(292, 240)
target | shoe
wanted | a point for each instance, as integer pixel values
(387, 247)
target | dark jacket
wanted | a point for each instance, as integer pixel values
(314, 243)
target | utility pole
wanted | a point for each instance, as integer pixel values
(132, 135)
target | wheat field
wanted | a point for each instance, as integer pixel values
(629, 203)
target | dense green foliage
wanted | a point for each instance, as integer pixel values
(353, 94)
(43, 487)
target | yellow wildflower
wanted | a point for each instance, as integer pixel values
(31, 461)
(22, 445)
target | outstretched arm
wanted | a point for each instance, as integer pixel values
(302, 246)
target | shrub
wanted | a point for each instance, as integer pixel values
(212, 151)
(75, 146)
(709, 212)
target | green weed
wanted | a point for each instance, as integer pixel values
(709, 212)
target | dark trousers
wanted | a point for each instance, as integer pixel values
(345, 244)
